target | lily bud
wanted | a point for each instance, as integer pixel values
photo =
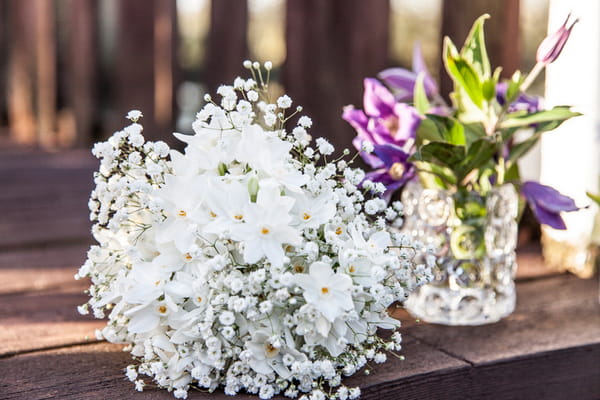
(550, 48)
(253, 188)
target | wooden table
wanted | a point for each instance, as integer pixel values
(549, 348)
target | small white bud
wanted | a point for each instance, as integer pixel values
(256, 65)
(247, 64)
(268, 65)
(207, 97)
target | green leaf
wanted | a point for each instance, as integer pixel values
(449, 129)
(522, 148)
(437, 128)
(595, 197)
(428, 132)
(473, 132)
(421, 102)
(474, 49)
(514, 87)
(441, 153)
(433, 175)
(557, 114)
(497, 73)
(478, 155)
(489, 89)
(462, 73)
(513, 174)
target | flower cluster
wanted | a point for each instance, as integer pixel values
(470, 145)
(252, 261)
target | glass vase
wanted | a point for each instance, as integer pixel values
(473, 238)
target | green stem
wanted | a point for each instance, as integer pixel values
(501, 169)
(535, 71)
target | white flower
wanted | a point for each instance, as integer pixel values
(270, 119)
(252, 95)
(328, 291)
(267, 227)
(284, 102)
(244, 107)
(134, 115)
(139, 385)
(227, 318)
(324, 147)
(136, 139)
(305, 121)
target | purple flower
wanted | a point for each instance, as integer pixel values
(383, 121)
(547, 203)
(395, 170)
(403, 80)
(552, 45)
(524, 102)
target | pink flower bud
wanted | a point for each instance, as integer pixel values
(552, 45)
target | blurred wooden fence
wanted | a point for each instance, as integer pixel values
(61, 87)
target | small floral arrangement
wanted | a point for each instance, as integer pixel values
(407, 131)
(252, 261)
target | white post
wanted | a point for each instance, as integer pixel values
(570, 155)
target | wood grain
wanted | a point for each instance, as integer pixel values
(99, 370)
(44, 319)
(40, 268)
(551, 314)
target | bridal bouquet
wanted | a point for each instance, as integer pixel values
(252, 261)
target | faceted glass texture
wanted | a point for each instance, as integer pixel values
(474, 274)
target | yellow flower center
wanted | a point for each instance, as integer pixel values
(156, 283)
(351, 269)
(213, 215)
(199, 299)
(162, 309)
(324, 290)
(188, 257)
(338, 230)
(298, 268)
(264, 231)
(397, 171)
(270, 350)
(182, 213)
(239, 217)
(306, 216)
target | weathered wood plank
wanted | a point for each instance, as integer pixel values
(99, 369)
(45, 62)
(40, 268)
(530, 264)
(134, 64)
(41, 320)
(20, 83)
(17, 158)
(227, 45)
(321, 71)
(571, 373)
(83, 68)
(552, 314)
(60, 230)
(425, 374)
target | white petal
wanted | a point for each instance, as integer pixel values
(143, 321)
